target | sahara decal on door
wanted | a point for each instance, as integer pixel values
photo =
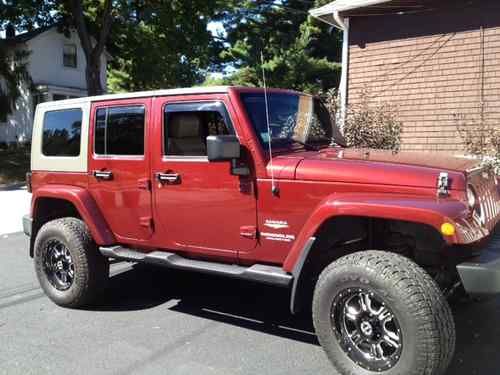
(276, 224)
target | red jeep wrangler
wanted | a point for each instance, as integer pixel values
(240, 183)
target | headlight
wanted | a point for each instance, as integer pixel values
(471, 197)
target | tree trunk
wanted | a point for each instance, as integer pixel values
(92, 53)
(93, 77)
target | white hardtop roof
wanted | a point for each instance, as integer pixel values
(141, 94)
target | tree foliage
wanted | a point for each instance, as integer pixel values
(162, 44)
(27, 14)
(299, 51)
(155, 43)
(13, 72)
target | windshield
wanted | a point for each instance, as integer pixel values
(293, 118)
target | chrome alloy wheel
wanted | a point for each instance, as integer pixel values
(366, 329)
(58, 265)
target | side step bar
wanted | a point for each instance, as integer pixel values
(258, 272)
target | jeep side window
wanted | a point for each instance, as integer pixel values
(120, 130)
(186, 127)
(61, 132)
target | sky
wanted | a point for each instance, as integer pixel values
(216, 28)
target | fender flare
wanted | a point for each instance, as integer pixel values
(84, 204)
(422, 210)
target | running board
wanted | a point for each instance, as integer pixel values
(258, 272)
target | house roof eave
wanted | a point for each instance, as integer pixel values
(22, 39)
(331, 12)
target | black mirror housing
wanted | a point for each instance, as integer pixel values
(223, 147)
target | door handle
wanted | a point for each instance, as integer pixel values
(103, 175)
(169, 178)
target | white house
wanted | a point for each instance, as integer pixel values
(56, 64)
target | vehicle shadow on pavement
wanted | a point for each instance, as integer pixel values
(265, 309)
(248, 305)
(138, 288)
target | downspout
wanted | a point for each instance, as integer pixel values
(344, 25)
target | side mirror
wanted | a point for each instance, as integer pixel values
(226, 147)
(223, 147)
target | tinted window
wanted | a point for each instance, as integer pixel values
(188, 125)
(61, 133)
(120, 131)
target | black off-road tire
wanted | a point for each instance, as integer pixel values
(91, 269)
(424, 316)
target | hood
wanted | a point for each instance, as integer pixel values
(412, 169)
(442, 161)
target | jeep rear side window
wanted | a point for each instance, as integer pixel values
(61, 132)
(120, 130)
(187, 126)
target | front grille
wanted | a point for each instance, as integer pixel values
(489, 199)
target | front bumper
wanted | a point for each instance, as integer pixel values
(27, 224)
(481, 275)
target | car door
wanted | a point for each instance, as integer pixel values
(201, 207)
(119, 167)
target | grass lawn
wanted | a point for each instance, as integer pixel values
(13, 165)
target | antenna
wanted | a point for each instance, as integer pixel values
(274, 188)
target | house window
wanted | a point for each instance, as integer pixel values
(69, 55)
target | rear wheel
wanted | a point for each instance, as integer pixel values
(378, 312)
(68, 265)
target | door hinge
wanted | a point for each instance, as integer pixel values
(144, 184)
(248, 231)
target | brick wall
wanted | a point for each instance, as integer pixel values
(432, 66)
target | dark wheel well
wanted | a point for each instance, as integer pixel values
(339, 236)
(48, 209)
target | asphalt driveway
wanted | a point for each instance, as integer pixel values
(164, 322)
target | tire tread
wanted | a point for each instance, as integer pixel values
(93, 267)
(424, 300)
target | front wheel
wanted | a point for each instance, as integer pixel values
(378, 312)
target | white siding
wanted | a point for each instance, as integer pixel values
(46, 61)
(46, 68)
